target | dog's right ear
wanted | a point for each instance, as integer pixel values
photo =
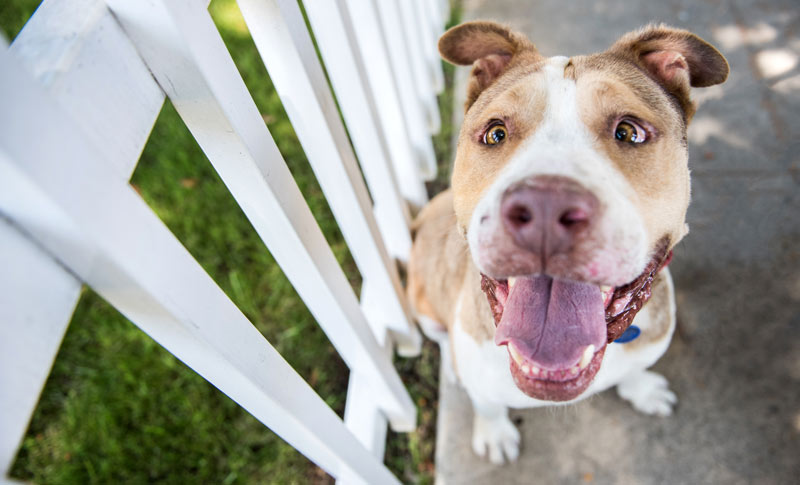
(675, 58)
(488, 46)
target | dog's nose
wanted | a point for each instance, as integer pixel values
(547, 214)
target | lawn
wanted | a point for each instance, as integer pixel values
(118, 408)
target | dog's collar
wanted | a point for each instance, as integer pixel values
(639, 289)
(632, 332)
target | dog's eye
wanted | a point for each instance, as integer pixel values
(495, 134)
(629, 132)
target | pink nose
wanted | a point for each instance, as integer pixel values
(547, 215)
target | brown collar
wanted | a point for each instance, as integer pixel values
(640, 289)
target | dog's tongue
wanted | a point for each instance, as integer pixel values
(551, 321)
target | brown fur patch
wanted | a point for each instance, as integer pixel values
(656, 170)
(438, 263)
(518, 99)
(475, 315)
(441, 272)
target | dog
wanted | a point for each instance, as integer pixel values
(569, 190)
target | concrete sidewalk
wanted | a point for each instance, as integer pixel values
(735, 359)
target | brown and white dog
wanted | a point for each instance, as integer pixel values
(569, 191)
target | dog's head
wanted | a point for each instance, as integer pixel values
(571, 185)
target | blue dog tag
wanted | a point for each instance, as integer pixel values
(629, 334)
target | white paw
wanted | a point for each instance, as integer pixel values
(496, 436)
(648, 392)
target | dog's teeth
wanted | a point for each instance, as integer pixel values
(534, 370)
(526, 369)
(588, 353)
(574, 370)
(515, 354)
(605, 288)
(511, 282)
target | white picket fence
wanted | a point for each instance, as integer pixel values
(80, 90)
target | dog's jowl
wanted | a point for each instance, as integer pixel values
(542, 271)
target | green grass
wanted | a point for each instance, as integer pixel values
(118, 408)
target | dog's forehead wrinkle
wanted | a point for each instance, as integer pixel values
(618, 74)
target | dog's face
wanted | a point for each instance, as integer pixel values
(571, 185)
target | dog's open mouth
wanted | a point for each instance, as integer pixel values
(557, 330)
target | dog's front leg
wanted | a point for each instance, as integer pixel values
(493, 432)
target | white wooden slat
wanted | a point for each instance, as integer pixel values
(435, 15)
(103, 231)
(362, 415)
(403, 154)
(37, 298)
(408, 344)
(444, 11)
(429, 35)
(421, 70)
(79, 53)
(280, 34)
(364, 419)
(183, 49)
(413, 110)
(346, 70)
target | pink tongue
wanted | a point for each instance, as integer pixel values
(551, 321)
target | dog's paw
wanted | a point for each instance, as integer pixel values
(497, 437)
(648, 392)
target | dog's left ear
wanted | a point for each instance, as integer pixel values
(489, 47)
(675, 58)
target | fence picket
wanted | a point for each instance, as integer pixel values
(444, 11)
(418, 126)
(100, 82)
(372, 47)
(280, 34)
(420, 69)
(73, 48)
(37, 298)
(201, 80)
(102, 230)
(357, 102)
(429, 33)
(70, 48)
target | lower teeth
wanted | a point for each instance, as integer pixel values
(588, 353)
